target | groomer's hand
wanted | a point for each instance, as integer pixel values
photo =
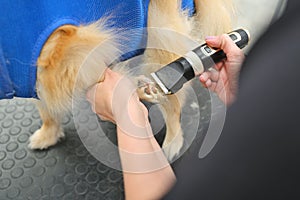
(223, 78)
(147, 173)
(100, 95)
(115, 97)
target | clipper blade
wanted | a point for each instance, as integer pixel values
(160, 84)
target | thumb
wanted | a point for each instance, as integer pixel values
(223, 42)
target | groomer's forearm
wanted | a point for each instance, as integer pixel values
(147, 173)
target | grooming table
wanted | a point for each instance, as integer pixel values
(67, 170)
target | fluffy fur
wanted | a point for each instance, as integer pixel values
(66, 49)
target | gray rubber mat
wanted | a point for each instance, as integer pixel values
(66, 170)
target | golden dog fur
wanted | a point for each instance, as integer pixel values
(68, 46)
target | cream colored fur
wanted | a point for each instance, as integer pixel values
(66, 50)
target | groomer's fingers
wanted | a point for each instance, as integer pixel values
(212, 74)
(208, 83)
(91, 96)
(204, 77)
(225, 43)
(219, 65)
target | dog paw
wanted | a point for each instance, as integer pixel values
(42, 139)
(172, 148)
(148, 90)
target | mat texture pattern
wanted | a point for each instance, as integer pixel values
(66, 170)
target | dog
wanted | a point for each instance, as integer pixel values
(68, 46)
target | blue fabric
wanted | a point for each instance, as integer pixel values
(26, 25)
(188, 5)
(6, 86)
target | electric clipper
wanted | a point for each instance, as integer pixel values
(171, 77)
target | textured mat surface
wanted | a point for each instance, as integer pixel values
(66, 170)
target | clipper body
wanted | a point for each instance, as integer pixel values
(171, 77)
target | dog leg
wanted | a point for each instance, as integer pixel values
(174, 136)
(50, 132)
(167, 26)
(171, 109)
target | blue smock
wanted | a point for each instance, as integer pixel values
(26, 25)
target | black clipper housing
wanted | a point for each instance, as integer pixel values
(171, 77)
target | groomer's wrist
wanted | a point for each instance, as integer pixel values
(130, 109)
(137, 111)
